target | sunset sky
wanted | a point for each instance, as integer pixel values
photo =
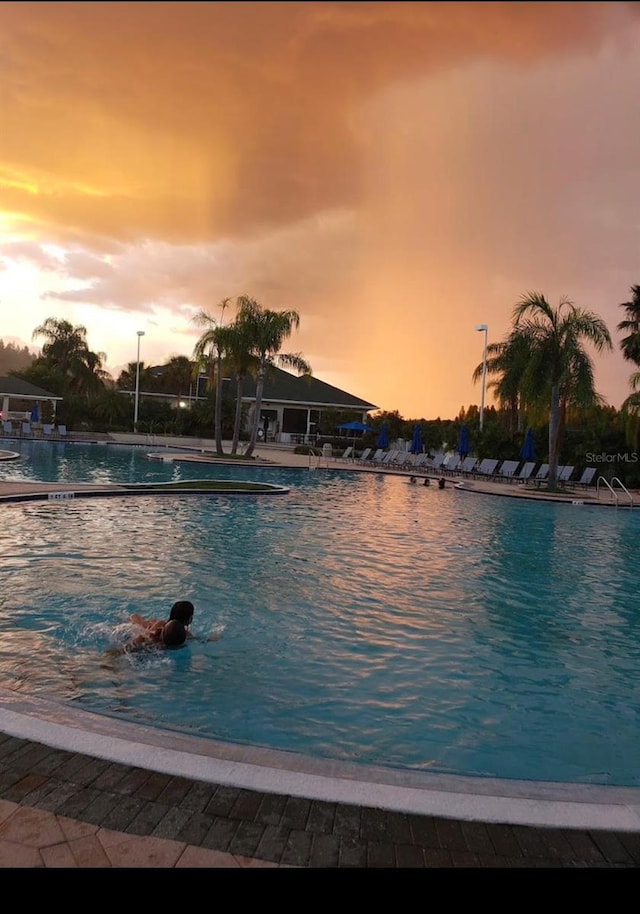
(395, 172)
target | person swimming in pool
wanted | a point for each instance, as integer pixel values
(157, 635)
(181, 611)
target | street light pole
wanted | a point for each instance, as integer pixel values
(483, 328)
(137, 398)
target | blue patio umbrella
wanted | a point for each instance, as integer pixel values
(416, 441)
(357, 430)
(464, 442)
(383, 437)
(528, 450)
(35, 412)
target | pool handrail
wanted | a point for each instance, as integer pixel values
(612, 490)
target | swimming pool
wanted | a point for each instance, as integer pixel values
(361, 618)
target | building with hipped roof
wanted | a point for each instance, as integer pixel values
(22, 394)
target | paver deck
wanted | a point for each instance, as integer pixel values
(62, 808)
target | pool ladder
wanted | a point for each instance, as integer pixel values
(610, 486)
(319, 456)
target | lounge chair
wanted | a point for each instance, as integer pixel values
(375, 459)
(346, 454)
(47, 430)
(587, 477)
(507, 469)
(437, 462)
(418, 462)
(542, 474)
(364, 456)
(451, 464)
(26, 428)
(400, 459)
(7, 428)
(389, 458)
(487, 467)
(382, 459)
(525, 472)
(469, 465)
(406, 460)
(565, 475)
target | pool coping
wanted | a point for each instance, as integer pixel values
(542, 804)
(75, 493)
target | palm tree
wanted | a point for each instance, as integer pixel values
(507, 360)
(111, 407)
(127, 377)
(558, 366)
(90, 376)
(64, 345)
(209, 352)
(67, 352)
(630, 345)
(630, 412)
(267, 330)
(241, 362)
(177, 375)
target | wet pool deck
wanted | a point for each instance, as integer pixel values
(76, 793)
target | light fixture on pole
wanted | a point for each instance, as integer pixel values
(483, 328)
(135, 409)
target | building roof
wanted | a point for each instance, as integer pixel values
(23, 390)
(282, 387)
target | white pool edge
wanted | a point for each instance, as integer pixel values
(544, 804)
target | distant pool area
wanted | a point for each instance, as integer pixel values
(360, 618)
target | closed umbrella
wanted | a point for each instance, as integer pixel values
(416, 441)
(35, 413)
(383, 437)
(464, 442)
(528, 450)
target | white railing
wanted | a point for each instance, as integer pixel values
(318, 456)
(610, 486)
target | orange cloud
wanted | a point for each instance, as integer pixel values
(194, 120)
(397, 172)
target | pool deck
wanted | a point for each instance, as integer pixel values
(284, 456)
(81, 790)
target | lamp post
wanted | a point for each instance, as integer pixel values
(483, 328)
(135, 408)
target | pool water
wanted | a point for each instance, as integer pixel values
(358, 617)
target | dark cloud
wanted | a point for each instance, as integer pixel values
(196, 120)
(397, 172)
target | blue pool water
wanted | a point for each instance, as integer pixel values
(360, 618)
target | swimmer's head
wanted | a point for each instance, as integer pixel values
(182, 610)
(174, 633)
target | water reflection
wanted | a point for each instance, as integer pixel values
(362, 618)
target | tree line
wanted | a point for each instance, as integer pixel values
(14, 358)
(541, 375)
(542, 370)
(249, 343)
